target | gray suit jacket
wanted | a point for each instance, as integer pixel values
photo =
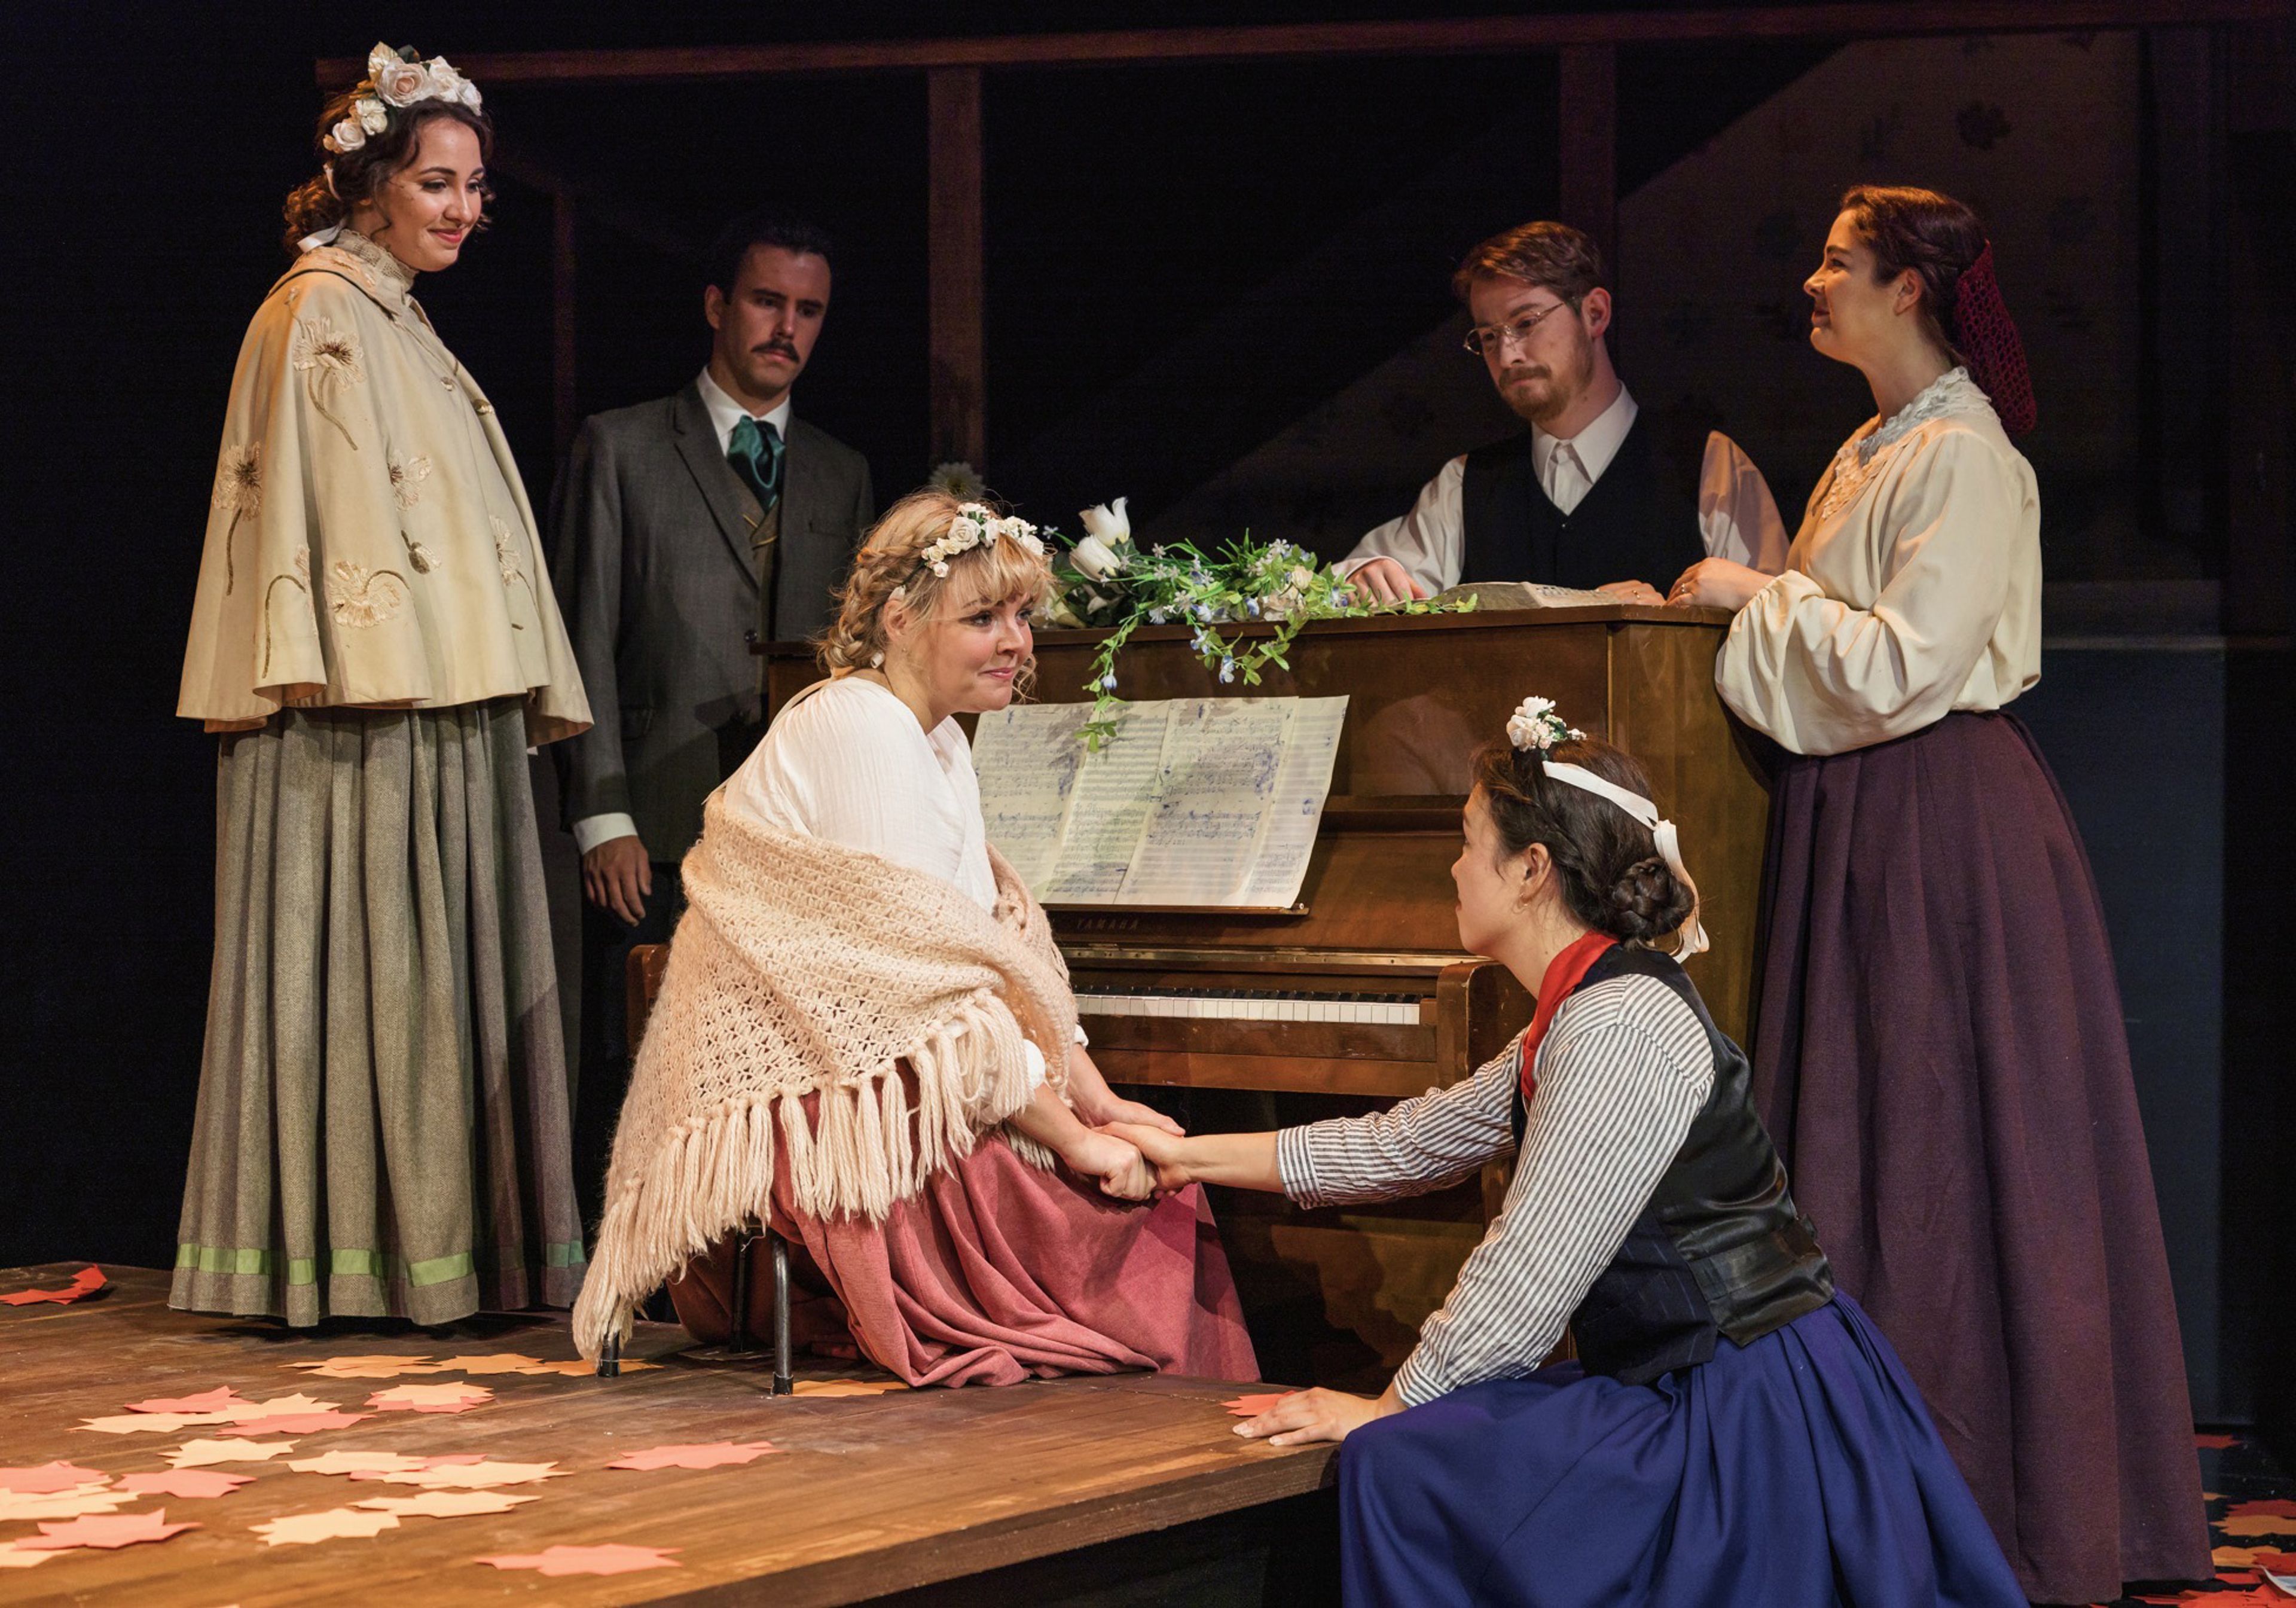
(654, 570)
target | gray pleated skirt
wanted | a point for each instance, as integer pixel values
(382, 1127)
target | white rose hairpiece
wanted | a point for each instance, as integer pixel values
(395, 80)
(976, 525)
(1535, 726)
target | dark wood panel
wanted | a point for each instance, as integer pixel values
(1479, 36)
(1278, 1074)
(954, 244)
(870, 1494)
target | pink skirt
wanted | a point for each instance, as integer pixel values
(997, 1271)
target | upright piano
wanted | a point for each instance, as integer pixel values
(1362, 989)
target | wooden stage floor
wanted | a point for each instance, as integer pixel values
(867, 1495)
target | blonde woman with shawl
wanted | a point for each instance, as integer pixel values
(866, 1035)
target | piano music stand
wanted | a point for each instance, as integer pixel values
(647, 964)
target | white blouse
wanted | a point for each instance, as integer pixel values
(1914, 588)
(851, 764)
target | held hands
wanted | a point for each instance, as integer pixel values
(1718, 583)
(1383, 581)
(1117, 1164)
(1111, 1110)
(618, 876)
(1305, 1416)
(1163, 1150)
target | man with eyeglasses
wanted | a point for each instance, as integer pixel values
(1587, 498)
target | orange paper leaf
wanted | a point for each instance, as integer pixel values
(85, 1282)
(1252, 1406)
(12, 1558)
(714, 1454)
(446, 1503)
(579, 1369)
(305, 1424)
(145, 1424)
(221, 1399)
(49, 1476)
(614, 1559)
(279, 1407)
(301, 1529)
(356, 1463)
(454, 1396)
(185, 1482)
(483, 1475)
(367, 1367)
(844, 1387)
(2215, 1443)
(114, 1529)
(93, 1498)
(198, 1454)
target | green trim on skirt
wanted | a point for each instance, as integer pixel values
(383, 1091)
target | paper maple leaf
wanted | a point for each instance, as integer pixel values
(145, 1424)
(197, 1454)
(279, 1407)
(85, 1282)
(12, 1558)
(115, 1530)
(446, 1503)
(299, 1530)
(465, 1476)
(185, 1482)
(49, 1476)
(91, 1498)
(2248, 1527)
(612, 1559)
(714, 1454)
(579, 1369)
(307, 1424)
(455, 1396)
(1252, 1406)
(367, 1367)
(353, 1463)
(844, 1387)
(221, 1399)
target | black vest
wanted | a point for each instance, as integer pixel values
(1639, 521)
(1720, 1249)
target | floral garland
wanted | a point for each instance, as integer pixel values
(395, 80)
(1105, 581)
(978, 525)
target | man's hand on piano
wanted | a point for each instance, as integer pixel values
(1318, 1414)
(1633, 592)
(1383, 581)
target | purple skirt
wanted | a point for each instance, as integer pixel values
(1796, 1472)
(1938, 1054)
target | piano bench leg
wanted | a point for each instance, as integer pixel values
(783, 1384)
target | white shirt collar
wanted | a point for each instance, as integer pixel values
(725, 413)
(1596, 444)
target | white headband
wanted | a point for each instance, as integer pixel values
(1670, 842)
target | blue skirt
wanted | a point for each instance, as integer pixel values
(1798, 1472)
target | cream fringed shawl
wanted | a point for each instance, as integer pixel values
(802, 967)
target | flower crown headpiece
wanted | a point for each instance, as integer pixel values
(1535, 728)
(978, 525)
(397, 80)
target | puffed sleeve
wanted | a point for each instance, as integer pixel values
(1822, 677)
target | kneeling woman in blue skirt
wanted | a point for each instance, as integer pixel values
(1733, 1431)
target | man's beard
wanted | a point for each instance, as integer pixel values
(1563, 384)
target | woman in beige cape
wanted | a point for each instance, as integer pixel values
(382, 1126)
(866, 1037)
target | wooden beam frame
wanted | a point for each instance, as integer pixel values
(1846, 19)
(1587, 148)
(955, 279)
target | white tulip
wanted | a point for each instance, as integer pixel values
(1094, 558)
(1108, 521)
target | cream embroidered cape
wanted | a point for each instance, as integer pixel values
(369, 541)
(803, 967)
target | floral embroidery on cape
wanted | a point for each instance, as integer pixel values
(359, 599)
(331, 359)
(239, 486)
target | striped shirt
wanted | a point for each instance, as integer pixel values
(1624, 1067)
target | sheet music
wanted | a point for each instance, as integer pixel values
(1209, 802)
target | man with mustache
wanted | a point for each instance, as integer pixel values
(684, 526)
(1589, 498)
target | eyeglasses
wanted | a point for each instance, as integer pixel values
(1492, 339)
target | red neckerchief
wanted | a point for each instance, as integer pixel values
(1564, 973)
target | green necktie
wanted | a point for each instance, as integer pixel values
(755, 452)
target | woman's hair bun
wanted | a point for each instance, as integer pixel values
(1648, 901)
